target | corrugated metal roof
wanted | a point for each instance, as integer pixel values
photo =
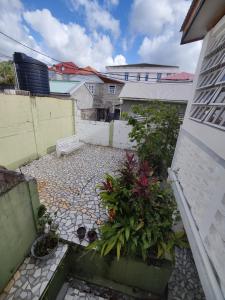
(157, 91)
(61, 86)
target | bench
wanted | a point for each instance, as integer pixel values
(67, 145)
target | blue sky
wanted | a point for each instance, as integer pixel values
(100, 32)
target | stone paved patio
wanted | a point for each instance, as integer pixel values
(68, 186)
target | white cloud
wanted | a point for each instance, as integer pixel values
(60, 40)
(164, 49)
(97, 16)
(159, 23)
(71, 41)
(11, 24)
(150, 16)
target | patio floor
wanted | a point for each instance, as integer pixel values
(68, 186)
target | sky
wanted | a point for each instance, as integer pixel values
(98, 33)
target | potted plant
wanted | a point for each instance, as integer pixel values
(46, 244)
(139, 229)
(92, 235)
(81, 231)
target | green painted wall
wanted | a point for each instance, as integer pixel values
(18, 214)
(30, 127)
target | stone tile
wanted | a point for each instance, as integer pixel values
(30, 286)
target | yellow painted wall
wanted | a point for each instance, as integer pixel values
(30, 127)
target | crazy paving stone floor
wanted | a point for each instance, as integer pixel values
(67, 185)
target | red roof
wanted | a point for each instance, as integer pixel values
(179, 76)
(71, 68)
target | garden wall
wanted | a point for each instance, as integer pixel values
(18, 215)
(30, 127)
(113, 134)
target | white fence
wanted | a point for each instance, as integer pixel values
(93, 132)
(113, 134)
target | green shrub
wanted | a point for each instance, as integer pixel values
(156, 134)
(141, 214)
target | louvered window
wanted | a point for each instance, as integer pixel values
(209, 101)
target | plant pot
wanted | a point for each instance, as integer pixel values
(92, 235)
(81, 231)
(42, 241)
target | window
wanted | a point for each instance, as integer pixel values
(138, 77)
(112, 89)
(146, 77)
(126, 76)
(159, 75)
(91, 88)
(209, 102)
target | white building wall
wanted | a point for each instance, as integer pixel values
(121, 135)
(198, 180)
(119, 72)
(83, 97)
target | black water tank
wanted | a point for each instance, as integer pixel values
(32, 74)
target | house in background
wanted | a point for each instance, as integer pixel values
(73, 90)
(178, 77)
(134, 93)
(198, 169)
(105, 90)
(140, 72)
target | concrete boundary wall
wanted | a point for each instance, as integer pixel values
(30, 127)
(18, 219)
(114, 134)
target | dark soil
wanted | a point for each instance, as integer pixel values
(45, 246)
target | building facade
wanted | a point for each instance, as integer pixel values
(197, 173)
(134, 93)
(141, 72)
(105, 91)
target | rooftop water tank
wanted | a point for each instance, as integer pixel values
(32, 74)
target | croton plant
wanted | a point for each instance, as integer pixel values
(141, 214)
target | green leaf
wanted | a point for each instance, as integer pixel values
(111, 243)
(140, 225)
(127, 233)
(118, 249)
(121, 238)
(132, 221)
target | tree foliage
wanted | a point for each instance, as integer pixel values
(7, 76)
(156, 134)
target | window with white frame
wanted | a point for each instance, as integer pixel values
(112, 89)
(209, 101)
(126, 76)
(91, 88)
(138, 76)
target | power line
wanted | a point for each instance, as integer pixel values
(107, 75)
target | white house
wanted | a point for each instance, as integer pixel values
(198, 169)
(134, 93)
(140, 72)
(74, 90)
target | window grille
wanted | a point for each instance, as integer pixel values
(208, 106)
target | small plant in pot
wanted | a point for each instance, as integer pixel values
(92, 235)
(46, 244)
(81, 231)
